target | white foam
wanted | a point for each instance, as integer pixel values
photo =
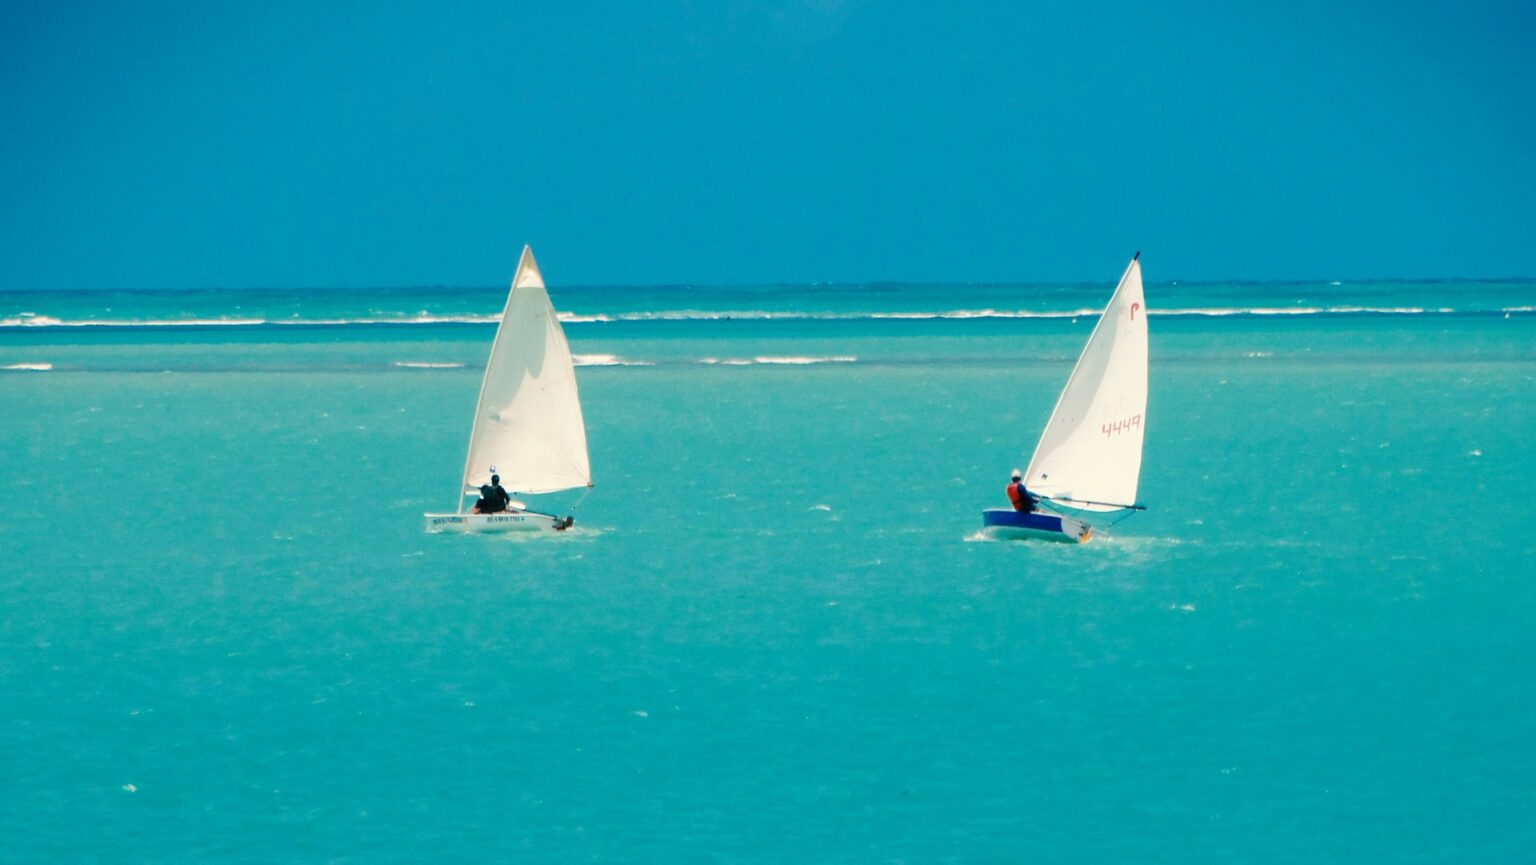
(28, 319)
(50, 321)
(1299, 310)
(798, 315)
(27, 367)
(423, 364)
(173, 322)
(1225, 311)
(962, 314)
(45, 321)
(422, 318)
(802, 361)
(606, 360)
(773, 360)
(1380, 310)
(711, 315)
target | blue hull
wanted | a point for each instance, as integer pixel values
(1041, 526)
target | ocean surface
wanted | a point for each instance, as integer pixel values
(776, 633)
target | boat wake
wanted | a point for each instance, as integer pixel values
(577, 532)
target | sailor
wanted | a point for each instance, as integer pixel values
(493, 499)
(1023, 500)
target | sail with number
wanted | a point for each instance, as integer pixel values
(1089, 456)
(528, 426)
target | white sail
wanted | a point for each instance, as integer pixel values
(528, 422)
(1089, 456)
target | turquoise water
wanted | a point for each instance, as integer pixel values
(775, 634)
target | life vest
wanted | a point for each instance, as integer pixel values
(1021, 499)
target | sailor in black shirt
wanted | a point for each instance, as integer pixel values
(493, 499)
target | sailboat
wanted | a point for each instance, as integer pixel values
(1088, 459)
(528, 427)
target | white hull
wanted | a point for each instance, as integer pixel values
(511, 521)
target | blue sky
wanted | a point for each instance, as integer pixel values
(414, 143)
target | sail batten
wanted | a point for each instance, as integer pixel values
(1090, 451)
(528, 425)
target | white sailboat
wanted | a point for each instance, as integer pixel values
(1089, 456)
(528, 427)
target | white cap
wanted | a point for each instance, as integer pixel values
(1017, 474)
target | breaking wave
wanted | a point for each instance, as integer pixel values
(792, 360)
(606, 360)
(27, 320)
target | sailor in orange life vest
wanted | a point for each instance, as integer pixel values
(1023, 500)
